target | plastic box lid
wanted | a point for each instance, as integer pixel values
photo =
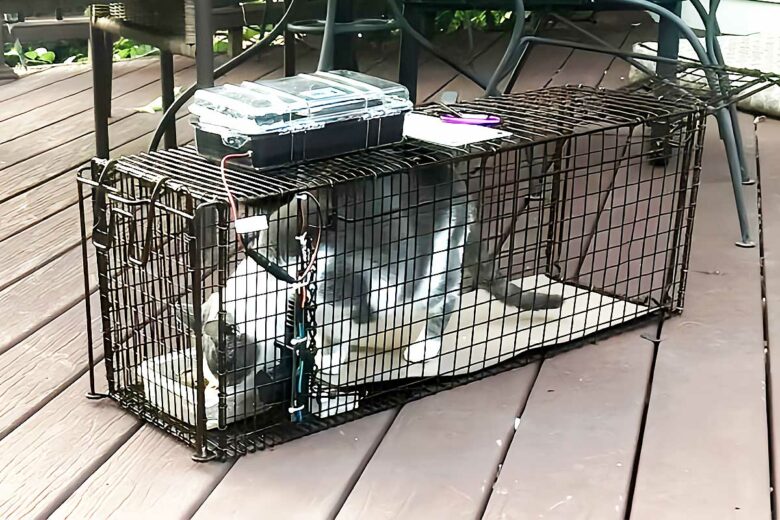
(296, 104)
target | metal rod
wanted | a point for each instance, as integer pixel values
(87, 292)
(537, 24)
(100, 226)
(194, 243)
(607, 194)
(512, 48)
(100, 90)
(204, 43)
(328, 43)
(166, 81)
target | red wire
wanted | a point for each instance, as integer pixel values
(231, 200)
(234, 211)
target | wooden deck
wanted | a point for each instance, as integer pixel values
(623, 428)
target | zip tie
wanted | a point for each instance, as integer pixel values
(292, 409)
(298, 341)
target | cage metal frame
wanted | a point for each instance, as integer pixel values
(179, 184)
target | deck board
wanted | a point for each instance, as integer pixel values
(149, 473)
(414, 473)
(49, 455)
(26, 252)
(74, 87)
(31, 83)
(573, 452)
(40, 297)
(704, 452)
(322, 466)
(44, 364)
(46, 112)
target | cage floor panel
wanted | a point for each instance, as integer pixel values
(488, 332)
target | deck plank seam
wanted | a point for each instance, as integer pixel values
(508, 444)
(765, 322)
(49, 102)
(86, 70)
(643, 421)
(112, 120)
(364, 464)
(86, 472)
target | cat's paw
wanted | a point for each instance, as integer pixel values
(421, 350)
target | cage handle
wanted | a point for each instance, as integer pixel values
(141, 260)
(102, 236)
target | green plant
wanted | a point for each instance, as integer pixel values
(451, 21)
(16, 55)
(125, 49)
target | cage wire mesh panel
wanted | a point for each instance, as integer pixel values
(387, 274)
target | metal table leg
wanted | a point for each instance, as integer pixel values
(344, 53)
(289, 49)
(409, 55)
(101, 87)
(204, 43)
(166, 80)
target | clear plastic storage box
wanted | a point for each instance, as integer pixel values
(308, 116)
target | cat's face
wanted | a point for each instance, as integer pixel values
(236, 343)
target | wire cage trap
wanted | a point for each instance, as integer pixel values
(363, 281)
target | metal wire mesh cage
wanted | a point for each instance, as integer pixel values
(716, 86)
(370, 279)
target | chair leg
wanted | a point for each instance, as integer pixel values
(166, 81)
(536, 24)
(235, 41)
(109, 67)
(668, 47)
(289, 49)
(344, 53)
(101, 89)
(726, 128)
(718, 55)
(409, 54)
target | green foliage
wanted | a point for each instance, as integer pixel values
(451, 21)
(125, 49)
(43, 53)
(15, 55)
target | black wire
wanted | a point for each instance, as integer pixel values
(169, 117)
(273, 268)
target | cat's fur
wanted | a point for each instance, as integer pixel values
(393, 253)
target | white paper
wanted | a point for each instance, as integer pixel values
(434, 130)
(251, 224)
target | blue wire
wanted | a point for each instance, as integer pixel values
(302, 332)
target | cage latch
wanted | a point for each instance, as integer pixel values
(140, 260)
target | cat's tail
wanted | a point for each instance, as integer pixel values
(529, 300)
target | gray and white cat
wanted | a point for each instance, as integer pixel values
(392, 258)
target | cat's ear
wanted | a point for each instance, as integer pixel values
(186, 315)
(211, 329)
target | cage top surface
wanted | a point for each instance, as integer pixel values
(533, 117)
